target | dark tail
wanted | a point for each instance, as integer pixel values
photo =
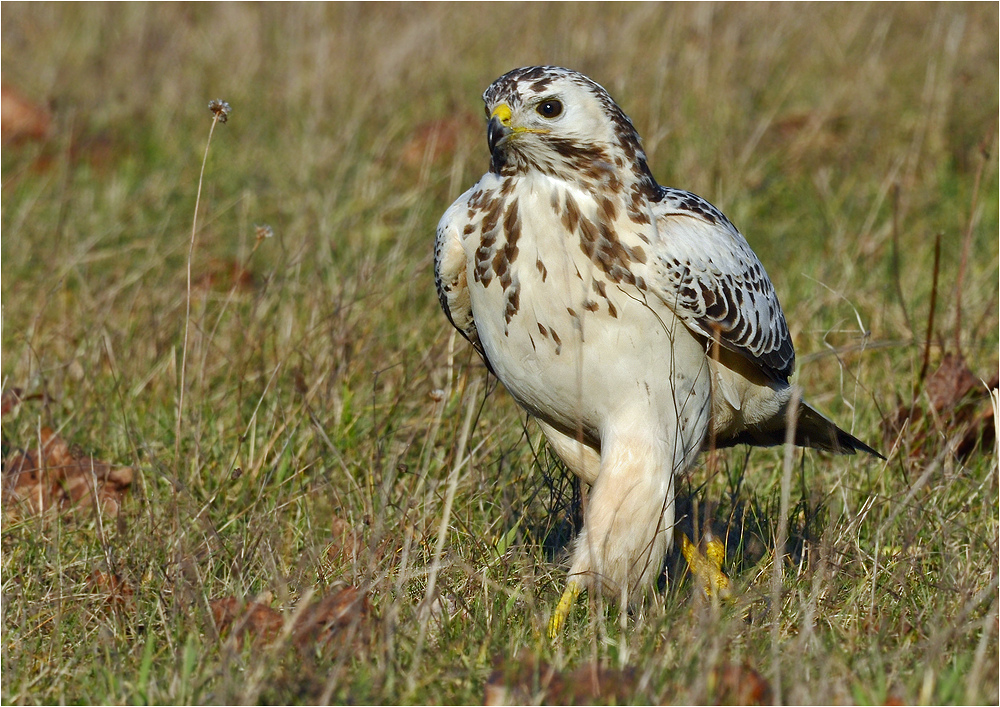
(814, 430)
(811, 430)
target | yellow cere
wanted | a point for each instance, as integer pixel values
(502, 112)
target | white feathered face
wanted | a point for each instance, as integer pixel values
(561, 123)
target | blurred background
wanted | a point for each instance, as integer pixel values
(355, 125)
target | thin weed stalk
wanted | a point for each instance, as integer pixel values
(220, 113)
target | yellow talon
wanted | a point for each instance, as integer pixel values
(564, 606)
(707, 567)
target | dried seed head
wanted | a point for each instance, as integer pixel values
(263, 231)
(220, 109)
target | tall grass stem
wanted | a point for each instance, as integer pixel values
(187, 305)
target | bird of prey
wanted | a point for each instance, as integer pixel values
(631, 320)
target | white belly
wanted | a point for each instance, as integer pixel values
(581, 352)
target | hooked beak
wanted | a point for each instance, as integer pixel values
(498, 129)
(496, 133)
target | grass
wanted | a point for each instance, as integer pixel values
(322, 382)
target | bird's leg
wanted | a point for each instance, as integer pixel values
(585, 462)
(628, 525)
(707, 566)
(565, 605)
(582, 459)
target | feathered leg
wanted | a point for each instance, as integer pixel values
(653, 434)
(629, 520)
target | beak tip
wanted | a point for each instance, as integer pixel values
(496, 133)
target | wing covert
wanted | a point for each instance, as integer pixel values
(709, 276)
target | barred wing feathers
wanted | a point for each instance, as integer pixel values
(707, 274)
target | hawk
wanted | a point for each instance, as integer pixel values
(631, 320)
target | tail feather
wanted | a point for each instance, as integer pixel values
(811, 430)
(814, 430)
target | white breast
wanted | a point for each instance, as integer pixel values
(580, 350)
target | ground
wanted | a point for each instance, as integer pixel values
(329, 500)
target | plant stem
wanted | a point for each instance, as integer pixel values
(187, 313)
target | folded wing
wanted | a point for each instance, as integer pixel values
(705, 271)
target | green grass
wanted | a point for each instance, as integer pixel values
(831, 135)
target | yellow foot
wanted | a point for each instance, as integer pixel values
(707, 567)
(564, 606)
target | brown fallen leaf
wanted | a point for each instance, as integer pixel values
(224, 275)
(21, 119)
(55, 476)
(99, 151)
(804, 136)
(118, 593)
(10, 399)
(253, 619)
(525, 680)
(739, 685)
(334, 619)
(951, 382)
(959, 410)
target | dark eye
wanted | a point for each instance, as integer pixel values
(549, 109)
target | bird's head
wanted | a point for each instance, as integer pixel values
(561, 123)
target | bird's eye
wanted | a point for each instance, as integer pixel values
(549, 109)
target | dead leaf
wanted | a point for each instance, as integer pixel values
(956, 407)
(334, 619)
(225, 275)
(10, 399)
(257, 620)
(804, 135)
(117, 591)
(950, 382)
(739, 685)
(21, 119)
(99, 151)
(525, 680)
(56, 476)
